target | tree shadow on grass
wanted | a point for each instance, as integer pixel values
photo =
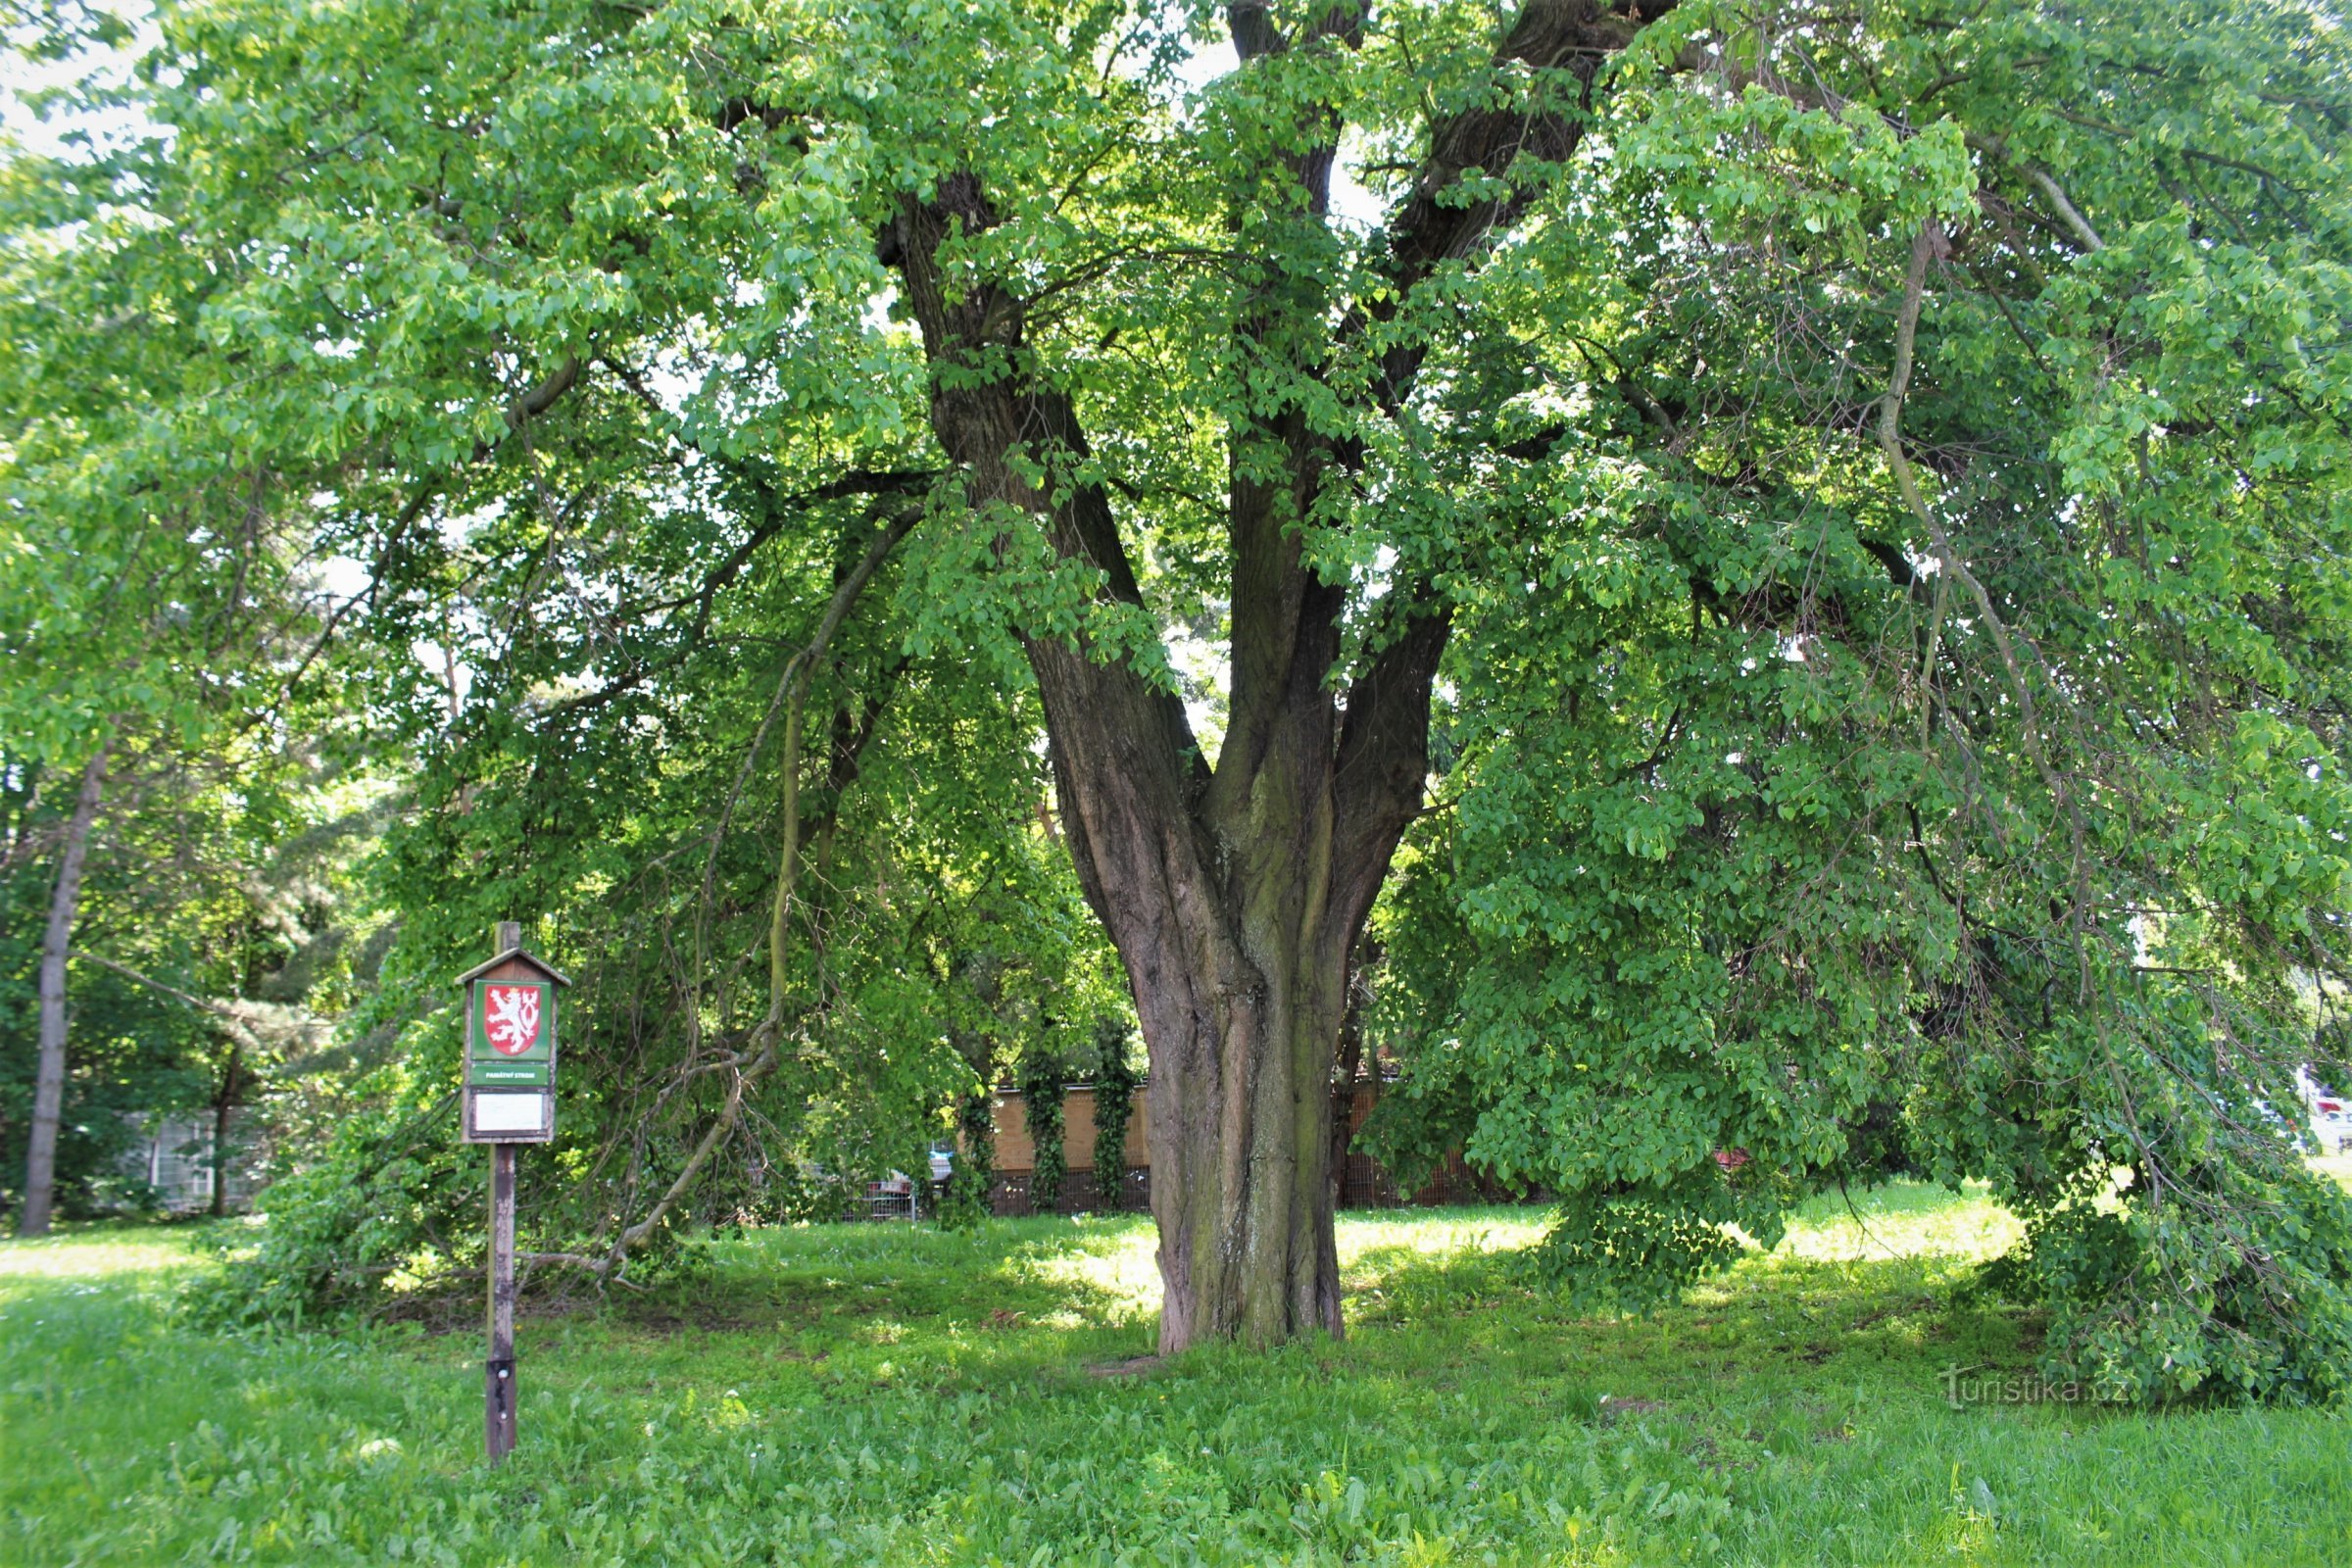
(1777, 1317)
(1014, 1293)
(1433, 1299)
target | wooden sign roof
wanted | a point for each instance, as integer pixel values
(504, 967)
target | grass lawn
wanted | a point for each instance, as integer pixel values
(889, 1394)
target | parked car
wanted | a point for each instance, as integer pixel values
(892, 1198)
(2331, 1124)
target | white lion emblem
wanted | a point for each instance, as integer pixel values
(510, 1013)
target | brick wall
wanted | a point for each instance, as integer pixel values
(1015, 1151)
(1365, 1184)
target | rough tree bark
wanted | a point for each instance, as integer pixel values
(1235, 894)
(49, 1082)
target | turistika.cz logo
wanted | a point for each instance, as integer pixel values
(1965, 1386)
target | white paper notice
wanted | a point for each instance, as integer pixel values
(508, 1114)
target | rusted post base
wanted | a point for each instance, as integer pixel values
(498, 1408)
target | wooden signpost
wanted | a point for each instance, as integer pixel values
(510, 1099)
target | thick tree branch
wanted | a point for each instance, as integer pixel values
(1383, 764)
(1384, 735)
(2075, 222)
(1286, 618)
(1110, 725)
(1436, 223)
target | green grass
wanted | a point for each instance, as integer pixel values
(886, 1395)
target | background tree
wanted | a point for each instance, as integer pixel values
(162, 612)
(57, 935)
(222, 923)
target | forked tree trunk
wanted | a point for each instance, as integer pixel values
(1235, 901)
(1234, 893)
(49, 1082)
(1235, 938)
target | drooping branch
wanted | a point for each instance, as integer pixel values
(778, 509)
(798, 673)
(793, 689)
(232, 1021)
(1924, 248)
(785, 686)
(526, 405)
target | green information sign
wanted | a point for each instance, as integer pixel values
(512, 1034)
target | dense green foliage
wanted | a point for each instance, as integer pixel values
(1887, 480)
(1115, 1083)
(889, 1394)
(230, 895)
(1044, 1085)
(1769, 840)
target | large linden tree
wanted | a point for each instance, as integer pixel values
(1820, 530)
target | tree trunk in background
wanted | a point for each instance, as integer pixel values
(49, 1087)
(225, 1106)
(1349, 1063)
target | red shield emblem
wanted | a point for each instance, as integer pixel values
(511, 1017)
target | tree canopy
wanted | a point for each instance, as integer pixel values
(1813, 540)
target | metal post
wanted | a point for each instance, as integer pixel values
(497, 1372)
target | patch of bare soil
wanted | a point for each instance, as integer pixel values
(1135, 1366)
(673, 1319)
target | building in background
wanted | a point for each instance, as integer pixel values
(174, 1155)
(1364, 1183)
